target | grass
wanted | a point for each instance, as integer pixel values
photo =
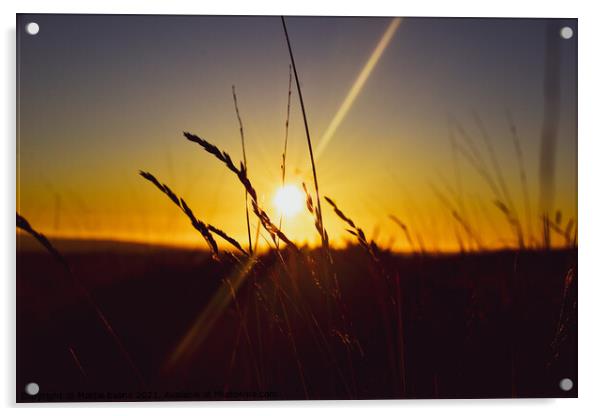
(394, 327)
(24, 225)
(205, 230)
(320, 318)
(241, 173)
(305, 323)
(308, 136)
(244, 159)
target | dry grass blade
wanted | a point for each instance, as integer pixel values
(200, 226)
(467, 228)
(568, 309)
(308, 199)
(507, 200)
(565, 233)
(317, 219)
(288, 113)
(512, 220)
(495, 181)
(404, 227)
(467, 138)
(459, 191)
(241, 173)
(340, 213)
(226, 159)
(244, 158)
(523, 175)
(308, 136)
(355, 230)
(480, 170)
(496, 166)
(242, 132)
(226, 237)
(474, 156)
(457, 216)
(24, 225)
(458, 210)
(286, 124)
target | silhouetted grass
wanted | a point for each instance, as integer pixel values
(24, 225)
(244, 159)
(241, 173)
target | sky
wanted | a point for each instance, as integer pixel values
(101, 97)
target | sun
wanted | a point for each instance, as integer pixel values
(288, 200)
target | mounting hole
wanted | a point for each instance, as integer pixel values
(32, 389)
(566, 384)
(32, 28)
(566, 32)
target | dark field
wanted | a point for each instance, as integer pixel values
(497, 324)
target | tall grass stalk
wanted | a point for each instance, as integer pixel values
(405, 230)
(523, 174)
(309, 145)
(510, 210)
(288, 114)
(244, 159)
(495, 181)
(458, 217)
(286, 124)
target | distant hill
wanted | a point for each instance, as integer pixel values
(26, 243)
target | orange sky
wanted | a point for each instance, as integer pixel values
(91, 117)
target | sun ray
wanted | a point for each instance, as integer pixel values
(358, 85)
(201, 328)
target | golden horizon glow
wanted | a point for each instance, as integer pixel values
(378, 94)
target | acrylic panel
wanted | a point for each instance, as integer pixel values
(295, 208)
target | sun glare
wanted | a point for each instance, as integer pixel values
(289, 200)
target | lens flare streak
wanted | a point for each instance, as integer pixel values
(358, 85)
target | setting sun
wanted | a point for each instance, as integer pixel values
(289, 200)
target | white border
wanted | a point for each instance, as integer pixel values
(590, 206)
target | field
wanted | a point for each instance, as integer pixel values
(500, 324)
(445, 268)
